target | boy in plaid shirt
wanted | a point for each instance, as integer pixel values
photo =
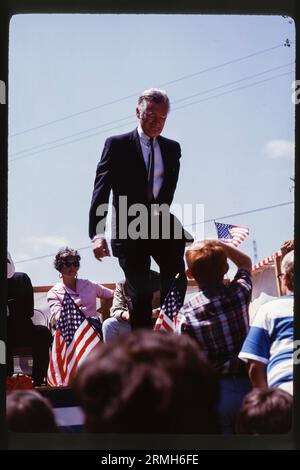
(217, 317)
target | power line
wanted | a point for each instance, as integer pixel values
(196, 223)
(242, 213)
(185, 77)
(132, 122)
(237, 81)
(249, 77)
(71, 135)
(71, 141)
(235, 89)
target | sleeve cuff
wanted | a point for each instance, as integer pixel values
(100, 236)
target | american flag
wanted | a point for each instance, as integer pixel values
(74, 339)
(266, 261)
(168, 315)
(231, 234)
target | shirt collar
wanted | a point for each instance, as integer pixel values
(144, 137)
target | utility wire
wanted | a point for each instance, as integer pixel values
(174, 102)
(72, 135)
(242, 213)
(237, 81)
(185, 77)
(196, 223)
(132, 122)
(235, 89)
(71, 141)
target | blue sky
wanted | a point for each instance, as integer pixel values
(237, 148)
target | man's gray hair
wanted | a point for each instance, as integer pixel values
(155, 95)
(287, 265)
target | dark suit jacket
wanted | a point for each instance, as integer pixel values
(122, 169)
(20, 303)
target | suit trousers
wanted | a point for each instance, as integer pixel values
(39, 338)
(136, 261)
(20, 329)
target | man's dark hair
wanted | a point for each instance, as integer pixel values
(149, 382)
(265, 412)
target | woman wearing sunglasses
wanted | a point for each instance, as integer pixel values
(82, 291)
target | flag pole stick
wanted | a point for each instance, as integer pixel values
(277, 263)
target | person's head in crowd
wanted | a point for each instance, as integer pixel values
(28, 411)
(265, 412)
(67, 262)
(207, 263)
(149, 382)
(287, 272)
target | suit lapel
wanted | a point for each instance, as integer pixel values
(163, 151)
(166, 161)
(138, 154)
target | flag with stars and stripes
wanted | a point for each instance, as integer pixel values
(168, 315)
(231, 234)
(74, 339)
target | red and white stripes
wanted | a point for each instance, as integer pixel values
(266, 261)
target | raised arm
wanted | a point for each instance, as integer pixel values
(240, 259)
(287, 246)
(257, 374)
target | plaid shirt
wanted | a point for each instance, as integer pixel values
(217, 318)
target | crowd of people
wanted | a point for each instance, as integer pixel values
(213, 373)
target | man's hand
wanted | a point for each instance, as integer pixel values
(287, 246)
(100, 249)
(155, 313)
(124, 315)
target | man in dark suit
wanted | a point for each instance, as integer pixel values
(141, 168)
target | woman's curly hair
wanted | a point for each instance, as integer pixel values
(62, 254)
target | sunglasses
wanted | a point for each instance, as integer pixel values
(68, 264)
